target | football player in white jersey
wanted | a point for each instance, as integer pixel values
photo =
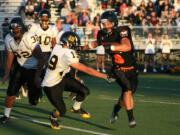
(56, 80)
(46, 32)
(25, 46)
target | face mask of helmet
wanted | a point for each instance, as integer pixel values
(16, 31)
(108, 21)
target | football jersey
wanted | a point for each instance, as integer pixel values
(59, 65)
(8, 37)
(166, 46)
(119, 59)
(150, 46)
(45, 36)
(23, 50)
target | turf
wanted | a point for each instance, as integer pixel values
(157, 109)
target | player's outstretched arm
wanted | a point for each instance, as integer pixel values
(9, 60)
(91, 71)
(88, 70)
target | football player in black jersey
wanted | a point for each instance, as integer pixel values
(117, 41)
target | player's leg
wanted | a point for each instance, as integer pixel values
(54, 94)
(82, 92)
(15, 83)
(102, 62)
(116, 108)
(97, 63)
(146, 57)
(34, 92)
(128, 96)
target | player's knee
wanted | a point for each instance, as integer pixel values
(86, 92)
(128, 92)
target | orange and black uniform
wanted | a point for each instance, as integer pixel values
(123, 63)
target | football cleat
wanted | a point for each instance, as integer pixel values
(114, 115)
(54, 123)
(4, 119)
(132, 123)
(82, 112)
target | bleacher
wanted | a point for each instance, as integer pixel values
(11, 10)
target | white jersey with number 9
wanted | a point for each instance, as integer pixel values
(59, 65)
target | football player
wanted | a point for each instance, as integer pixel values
(117, 41)
(64, 57)
(46, 32)
(25, 46)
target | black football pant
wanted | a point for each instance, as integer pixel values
(127, 80)
(20, 76)
(55, 93)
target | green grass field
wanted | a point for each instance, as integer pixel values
(157, 110)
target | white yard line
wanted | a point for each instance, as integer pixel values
(148, 87)
(143, 101)
(67, 127)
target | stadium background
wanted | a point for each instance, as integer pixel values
(157, 103)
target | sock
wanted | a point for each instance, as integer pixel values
(77, 105)
(7, 111)
(52, 117)
(117, 108)
(130, 114)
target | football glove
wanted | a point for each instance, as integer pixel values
(109, 79)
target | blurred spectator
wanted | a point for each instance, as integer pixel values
(164, 18)
(165, 46)
(44, 5)
(100, 52)
(65, 10)
(153, 19)
(84, 4)
(78, 9)
(122, 7)
(177, 5)
(150, 8)
(59, 26)
(89, 29)
(159, 7)
(157, 31)
(149, 53)
(172, 17)
(96, 29)
(5, 27)
(84, 18)
(72, 4)
(145, 25)
(104, 3)
(96, 19)
(29, 9)
(142, 7)
(22, 12)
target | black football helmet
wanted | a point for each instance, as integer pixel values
(44, 17)
(17, 27)
(70, 39)
(108, 16)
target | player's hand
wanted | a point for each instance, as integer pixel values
(5, 78)
(109, 79)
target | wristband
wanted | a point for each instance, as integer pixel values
(112, 48)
